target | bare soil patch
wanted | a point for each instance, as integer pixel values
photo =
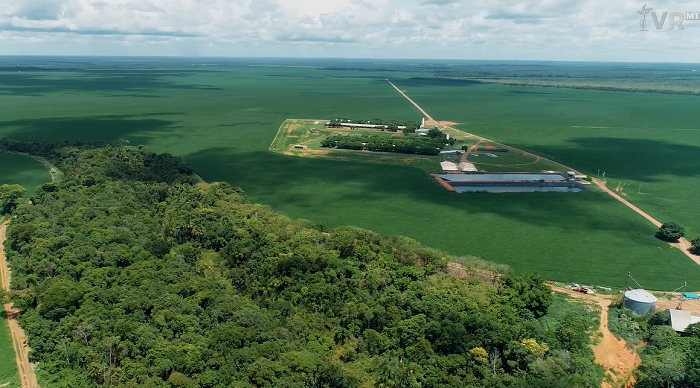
(611, 352)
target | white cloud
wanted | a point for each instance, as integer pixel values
(497, 29)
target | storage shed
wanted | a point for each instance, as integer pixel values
(640, 301)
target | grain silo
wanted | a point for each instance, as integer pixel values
(640, 301)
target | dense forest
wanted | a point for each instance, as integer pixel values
(429, 145)
(132, 272)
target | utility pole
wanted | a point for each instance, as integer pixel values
(680, 305)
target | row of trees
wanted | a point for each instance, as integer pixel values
(405, 145)
(132, 273)
(391, 125)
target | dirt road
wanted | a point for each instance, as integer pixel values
(683, 244)
(19, 340)
(427, 116)
(610, 352)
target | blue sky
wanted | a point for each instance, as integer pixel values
(566, 30)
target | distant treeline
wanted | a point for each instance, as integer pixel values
(406, 145)
(391, 125)
(628, 84)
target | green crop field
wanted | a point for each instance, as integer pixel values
(222, 121)
(22, 170)
(648, 141)
(8, 366)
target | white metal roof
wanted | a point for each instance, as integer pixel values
(449, 166)
(465, 166)
(680, 320)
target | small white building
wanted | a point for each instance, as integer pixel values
(449, 166)
(467, 167)
(300, 147)
(680, 320)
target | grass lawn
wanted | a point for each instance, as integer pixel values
(223, 122)
(24, 171)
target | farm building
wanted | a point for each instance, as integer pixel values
(300, 147)
(680, 320)
(572, 176)
(640, 301)
(467, 167)
(371, 126)
(458, 152)
(449, 166)
(464, 166)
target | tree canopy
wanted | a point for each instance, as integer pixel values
(132, 272)
(405, 145)
(671, 231)
(9, 194)
(695, 248)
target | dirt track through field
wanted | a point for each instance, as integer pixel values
(19, 340)
(427, 116)
(610, 352)
(683, 244)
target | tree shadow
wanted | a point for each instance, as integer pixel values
(107, 128)
(637, 159)
(140, 83)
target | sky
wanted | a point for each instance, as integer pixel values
(563, 30)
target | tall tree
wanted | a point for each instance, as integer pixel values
(9, 194)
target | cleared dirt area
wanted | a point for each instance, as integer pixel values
(610, 352)
(693, 306)
(19, 339)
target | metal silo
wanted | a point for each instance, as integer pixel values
(640, 301)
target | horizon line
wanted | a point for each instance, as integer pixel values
(336, 58)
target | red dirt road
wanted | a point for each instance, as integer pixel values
(19, 340)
